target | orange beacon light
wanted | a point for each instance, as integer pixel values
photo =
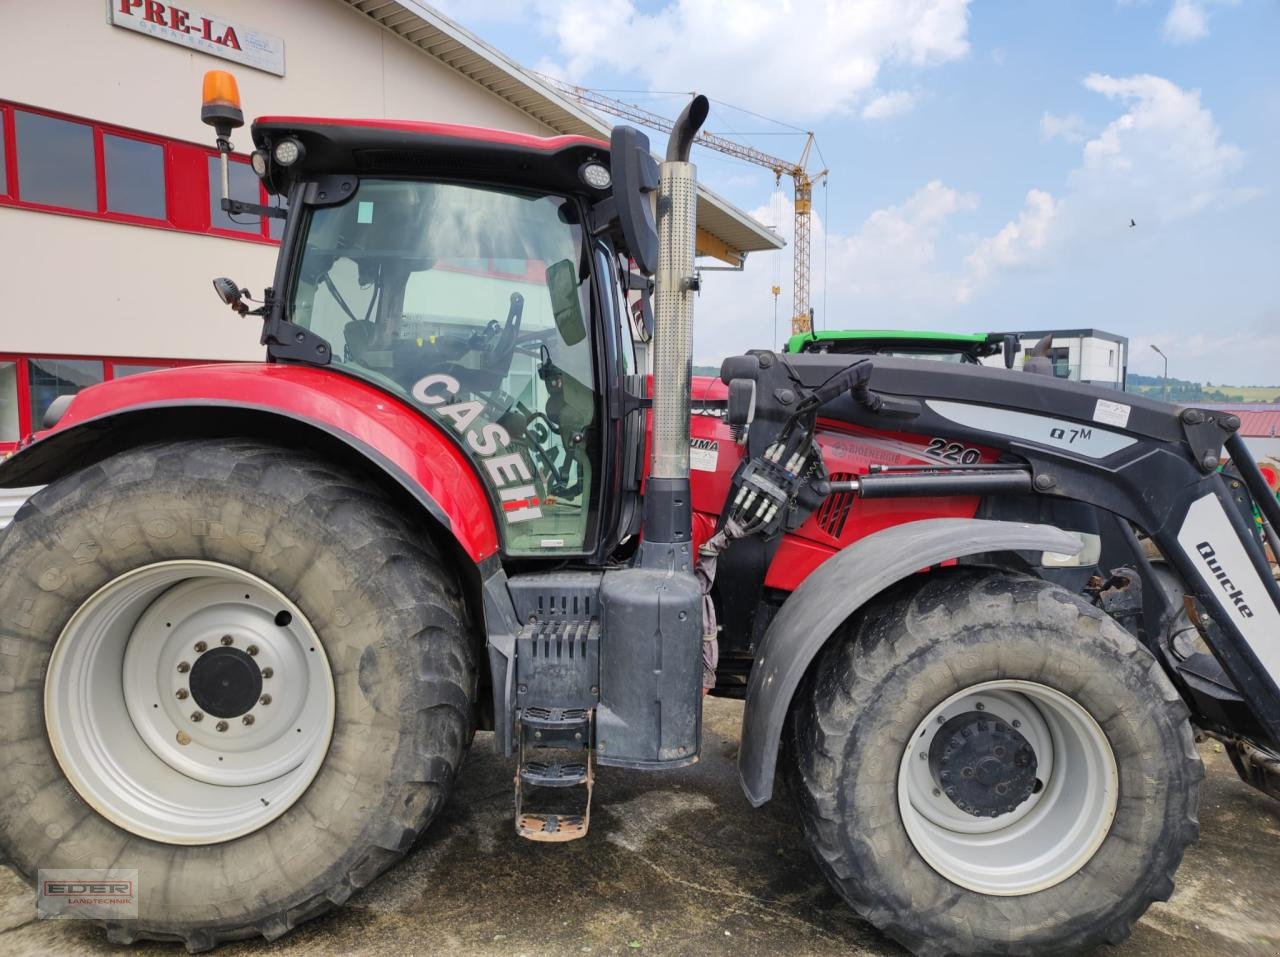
(220, 102)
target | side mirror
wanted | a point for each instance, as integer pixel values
(562, 283)
(230, 294)
(1011, 349)
(635, 176)
(642, 308)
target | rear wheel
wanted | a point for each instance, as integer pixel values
(233, 669)
(984, 764)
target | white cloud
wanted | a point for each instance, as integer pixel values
(1020, 242)
(1235, 352)
(886, 273)
(1188, 20)
(802, 60)
(1069, 128)
(887, 105)
(1161, 160)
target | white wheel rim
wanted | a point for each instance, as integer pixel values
(1053, 832)
(138, 713)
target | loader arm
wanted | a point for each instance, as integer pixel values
(1152, 464)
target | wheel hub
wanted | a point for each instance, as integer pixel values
(225, 682)
(982, 764)
(1055, 766)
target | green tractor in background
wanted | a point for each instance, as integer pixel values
(967, 347)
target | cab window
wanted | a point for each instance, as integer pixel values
(473, 304)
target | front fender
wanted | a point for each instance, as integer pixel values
(287, 401)
(838, 588)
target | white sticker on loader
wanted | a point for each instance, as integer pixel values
(704, 455)
(1075, 437)
(1224, 566)
(1111, 413)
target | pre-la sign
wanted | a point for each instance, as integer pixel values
(201, 31)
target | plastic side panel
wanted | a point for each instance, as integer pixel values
(371, 420)
(835, 591)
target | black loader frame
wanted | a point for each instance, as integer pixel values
(1083, 458)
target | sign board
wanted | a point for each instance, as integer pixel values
(201, 31)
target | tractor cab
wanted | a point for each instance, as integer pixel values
(484, 300)
(478, 277)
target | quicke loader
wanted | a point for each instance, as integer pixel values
(250, 626)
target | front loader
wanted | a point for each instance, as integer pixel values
(249, 628)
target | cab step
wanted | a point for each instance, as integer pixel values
(555, 774)
(554, 694)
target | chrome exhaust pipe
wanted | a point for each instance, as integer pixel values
(668, 517)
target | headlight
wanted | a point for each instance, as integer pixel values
(595, 175)
(288, 152)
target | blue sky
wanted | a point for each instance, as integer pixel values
(986, 158)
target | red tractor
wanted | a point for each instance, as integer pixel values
(249, 628)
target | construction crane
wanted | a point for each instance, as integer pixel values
(802, 314)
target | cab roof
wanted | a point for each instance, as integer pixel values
(372, 147)
(918, 338)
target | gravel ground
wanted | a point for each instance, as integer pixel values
(680, 864)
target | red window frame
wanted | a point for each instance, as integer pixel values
(186, 179)
(22, 360)
(8, 155)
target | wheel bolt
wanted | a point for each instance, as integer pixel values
(268, 672)
(1017, 723)
(248, 719)
(183, 667)
(197, 716)
(228, 640)
(937, 793)
(924, 756)
(980, 706)
(201, 647)
(182, 694)
(222, 726)
(252, 649)
(265, 699)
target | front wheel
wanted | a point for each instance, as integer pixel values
(232, 670)
(985, 764)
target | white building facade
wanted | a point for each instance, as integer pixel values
(1082, 355)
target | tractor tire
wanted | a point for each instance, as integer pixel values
(984, 763)
(232, 668)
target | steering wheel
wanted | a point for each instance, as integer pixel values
(499, 348)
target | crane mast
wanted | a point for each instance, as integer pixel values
(802, 179)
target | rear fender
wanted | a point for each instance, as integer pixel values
(298, 405)
(838, 588)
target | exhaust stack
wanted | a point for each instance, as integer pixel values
(668, 516)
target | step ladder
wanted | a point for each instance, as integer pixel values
(557, 770)
(554, 697)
